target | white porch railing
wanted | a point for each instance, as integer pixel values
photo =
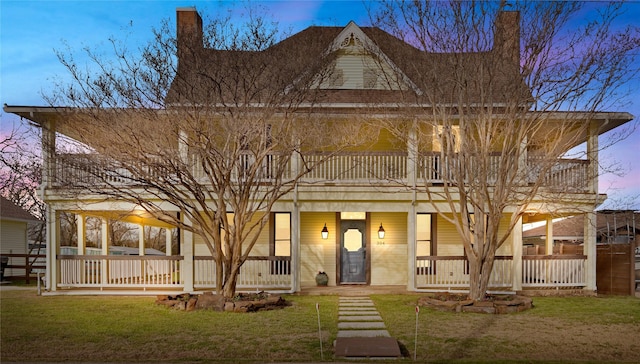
(554, 270)
(357, 166)
(117, 271)
(255, 273)
(79, 170)
(548, 271)
(453, 272)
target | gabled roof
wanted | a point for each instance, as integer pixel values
(12, 212)
(211, 76)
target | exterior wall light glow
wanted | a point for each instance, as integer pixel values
(325, 232)
(381, 232)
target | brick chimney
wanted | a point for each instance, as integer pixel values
(189, 30)
(506, 38)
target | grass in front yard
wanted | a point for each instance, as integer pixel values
(75, 328)
(557, 329)
(135, 329)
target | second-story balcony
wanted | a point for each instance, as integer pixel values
(350, 168)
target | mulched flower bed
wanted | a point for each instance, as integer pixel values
(243, 302)
(494, 304)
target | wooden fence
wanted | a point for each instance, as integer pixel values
(26, 263)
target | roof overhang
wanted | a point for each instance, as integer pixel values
(606, 121)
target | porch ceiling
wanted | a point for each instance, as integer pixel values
(133, 217)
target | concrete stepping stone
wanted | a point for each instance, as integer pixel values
(363, 333)
(361, 325)
(358, 313)
(341, 308)
(359, 318)
(356, 304)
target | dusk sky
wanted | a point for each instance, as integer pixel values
(31, 30)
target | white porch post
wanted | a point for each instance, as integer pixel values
(590, 217)
(590, 250)
(141, 240)
(168, 234)
(82, 240)
(295, 249)
(412, 176)
(187, 269)
(48, 140)
(516, 264)
(411, 247)
(53, 240)
(105, 251)
(549, 237)
(80, 225)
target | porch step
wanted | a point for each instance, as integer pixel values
(361, 331)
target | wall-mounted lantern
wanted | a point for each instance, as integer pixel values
(324, 232)
(381, 232)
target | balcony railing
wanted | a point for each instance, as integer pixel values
(355, 167)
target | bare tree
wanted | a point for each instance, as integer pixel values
(20, 178)
(505, 91)
(216, 134)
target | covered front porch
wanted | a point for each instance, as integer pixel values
(395, 259)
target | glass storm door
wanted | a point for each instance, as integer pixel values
(354, 253)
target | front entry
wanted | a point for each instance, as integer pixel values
(353, 257)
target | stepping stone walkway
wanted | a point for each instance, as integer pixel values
(361, 331)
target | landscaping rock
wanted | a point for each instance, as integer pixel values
(494, 304)
(210, 301)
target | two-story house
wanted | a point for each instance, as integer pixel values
(366, 215)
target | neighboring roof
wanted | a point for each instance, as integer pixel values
(12, 212)
(573, 227)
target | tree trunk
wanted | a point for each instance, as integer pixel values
(229, 287)
(479, 275)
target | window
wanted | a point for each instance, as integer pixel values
(280, 242)
(425, 243)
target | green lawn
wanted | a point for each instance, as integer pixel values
(135, 329)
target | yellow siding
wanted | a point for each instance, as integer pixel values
(450, 244)
(260, 249)
(317, 254)
(389, 256)
(448, 239)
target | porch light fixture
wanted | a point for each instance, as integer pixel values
(325, 232)
(381, 232)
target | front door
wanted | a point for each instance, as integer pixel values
(353, 256)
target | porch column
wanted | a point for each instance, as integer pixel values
(590, 250)
(80, 226)
(516, 264)
(592, 156)
(412, 155)
(295, 249)
(187, 269)
(53, 240)
(105, 250)
(141, 240)
(48, 153)
(549, 237)
(411, 245)
(168, 235)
